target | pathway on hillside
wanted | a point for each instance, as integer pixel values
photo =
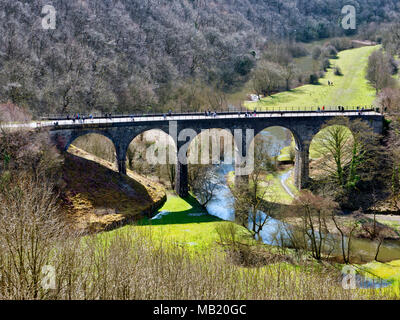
(351, 89)
(283, 178)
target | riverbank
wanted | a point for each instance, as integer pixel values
(185, 224)
(182, 223)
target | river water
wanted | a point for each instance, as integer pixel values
(222, 206)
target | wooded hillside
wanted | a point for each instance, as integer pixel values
(138, 55)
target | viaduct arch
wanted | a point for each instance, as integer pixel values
(303, 125)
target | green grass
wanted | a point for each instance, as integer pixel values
(285, 154)
(387, 271)
(351, 89)
(199, 237)
(277, 193)
(305, 64)
(393, 224)
(197, 233)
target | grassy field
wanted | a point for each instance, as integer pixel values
(188, 226)
(351, 89)
(183, 222)
(277, 193)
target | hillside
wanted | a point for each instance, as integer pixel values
(96, 198)
(351, 89)
(134, 55)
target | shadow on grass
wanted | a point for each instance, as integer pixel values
(194, 215)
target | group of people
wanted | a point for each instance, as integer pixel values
(209, 113)
(360, 110)
(342, 109)
(78, 117)
(249, 114)
(169, 114)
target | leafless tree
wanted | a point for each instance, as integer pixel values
(349, 150)
(379, 72)
(254, 201)
(346, 231)
(29, 226)
(267, 78)
(203, 181)
(313, 212)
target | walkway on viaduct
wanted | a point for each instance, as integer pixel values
(122, 130)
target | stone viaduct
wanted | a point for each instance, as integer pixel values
(303, 125)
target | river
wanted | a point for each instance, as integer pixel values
(222, 206)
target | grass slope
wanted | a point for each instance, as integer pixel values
(185, 223)
(97, 198)
(276, 192)
(351, 89)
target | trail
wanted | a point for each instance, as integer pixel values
(283, 178)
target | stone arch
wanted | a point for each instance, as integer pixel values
(294, 136)
(301, 169)
(159, 140)
(218, 138)
(340, 122)
(104, 148)
(76, 134)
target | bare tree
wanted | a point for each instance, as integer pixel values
(389, 100)
(267, 78)
(254, 203)
(289, 73)
(346, 231)
(379, 71)
(203, 182)
(29, 226)
(313, 212)
(347, 150)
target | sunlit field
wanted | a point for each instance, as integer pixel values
(349, 90)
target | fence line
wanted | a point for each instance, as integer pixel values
(292, 110)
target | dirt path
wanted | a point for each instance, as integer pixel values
(283, 178)
(385, 217)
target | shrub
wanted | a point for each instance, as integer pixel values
(314, 78)
(326, 64)
(338, 71)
